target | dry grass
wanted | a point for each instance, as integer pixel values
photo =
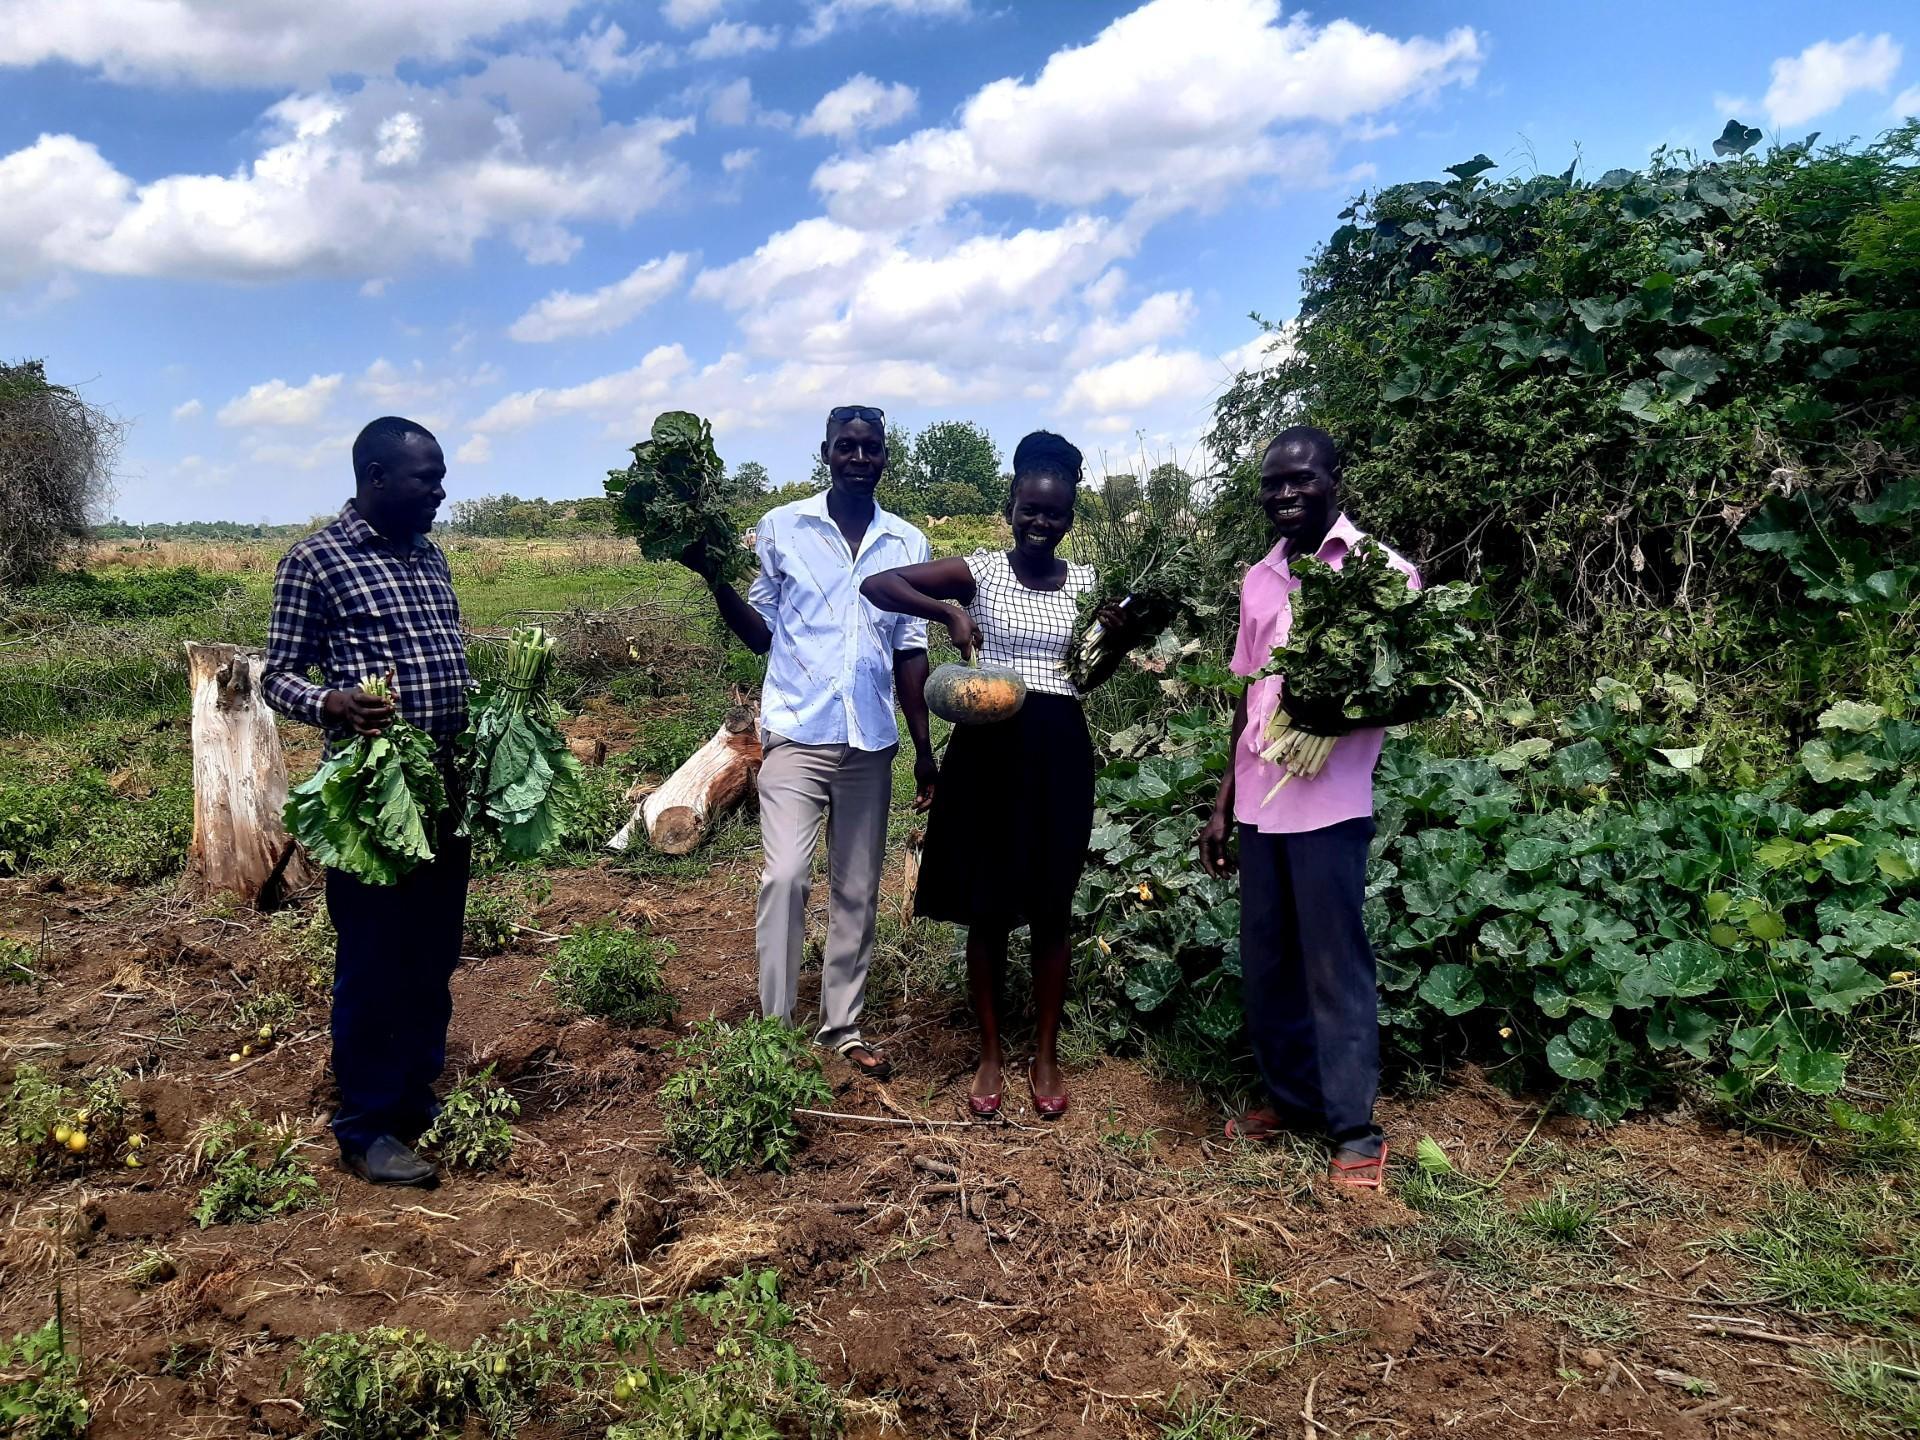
(221, 557)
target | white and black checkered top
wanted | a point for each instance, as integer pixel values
(1026, 630)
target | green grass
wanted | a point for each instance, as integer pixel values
(1847, 1255)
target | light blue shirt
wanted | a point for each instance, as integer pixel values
(830, 672)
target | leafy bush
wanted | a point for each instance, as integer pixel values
(757, 1386)
(45, 1123)
(394, 1384)
(474, 1129)
(40, 1394)
(254, 1171)
(605, 970)
(492, 920)
(1581, 391)
(1616, 947)
(128, 594)
(732, 1106)
(80, 826)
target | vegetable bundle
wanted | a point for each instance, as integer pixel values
(1149, 560)
(522, 781)
(675, 495)
(1364, 650)
(374, 806)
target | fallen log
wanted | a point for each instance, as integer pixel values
(708, 783)
(240, 843)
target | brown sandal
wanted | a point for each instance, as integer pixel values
(875, 1067)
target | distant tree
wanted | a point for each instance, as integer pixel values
(752, 477)
(1167, 483)
(56, 469)
(959, 453)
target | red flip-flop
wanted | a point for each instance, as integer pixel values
(1238, 1129)
(1365, 1173)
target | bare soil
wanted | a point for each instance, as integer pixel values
(1090, 1278)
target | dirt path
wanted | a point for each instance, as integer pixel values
(1092, 1278)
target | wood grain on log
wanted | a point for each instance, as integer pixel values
(708, 783)
(240, 843)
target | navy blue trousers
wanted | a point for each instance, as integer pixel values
(391, 996)
(1307, 977)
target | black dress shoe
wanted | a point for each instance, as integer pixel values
(388, 1162)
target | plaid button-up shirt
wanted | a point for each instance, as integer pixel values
(349, 602)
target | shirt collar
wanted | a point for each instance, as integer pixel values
(1342, 536)
(815, 507)
(359, 532)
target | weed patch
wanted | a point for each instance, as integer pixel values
(602, 969)
(254, 1171)
(732, 1106)
(1848, 1255)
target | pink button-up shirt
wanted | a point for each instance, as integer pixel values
(1343, 790)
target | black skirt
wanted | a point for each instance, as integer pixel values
(1012, 810)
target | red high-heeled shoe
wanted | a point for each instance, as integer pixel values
(1047, 1107)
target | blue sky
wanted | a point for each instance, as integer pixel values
(533, 224)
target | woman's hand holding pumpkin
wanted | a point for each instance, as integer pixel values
(966, 635)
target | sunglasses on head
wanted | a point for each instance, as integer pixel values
(872, 414)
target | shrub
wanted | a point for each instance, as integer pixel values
(474, 1129)
(492, 920)
(40, 1394)
(56, 463)
(1582, 901)
(611, 972)
(732, 1106)
(394, 1384)
(130, 594)
(757, 1386)
(254, 1171)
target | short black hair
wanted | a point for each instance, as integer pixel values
(378, 439)
(1045, 453)
(1313, 437)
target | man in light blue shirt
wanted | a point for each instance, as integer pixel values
(834, 665)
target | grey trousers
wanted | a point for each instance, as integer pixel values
(852, 788)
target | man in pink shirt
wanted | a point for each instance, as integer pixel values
(1307, 973)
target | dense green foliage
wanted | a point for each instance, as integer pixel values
(253, 1170)
(1664, 419)
(1579, 904)
(676, 496)
(124, 594)
(40, 1394)
(474, 1129)
(395, 1384)
(732, 1106)
(603, 969)
(1579, 392)
(373, 808)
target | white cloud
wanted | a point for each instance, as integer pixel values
(734, 161)
(863, 103)
(518, 148)
(1824, 74)
(828, 15)
(1173, 104)
(255, 42)
(602, 51)
(732, 103)
(274, 402)
(685, 14)
(394, 388)
(331, 451)
(1907, 103)
(187, 409)
(1141, 380)
(1157, 318)
(730, 38)
(564, 315)
(475, 450)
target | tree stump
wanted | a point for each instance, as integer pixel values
(708, 783)
(240, 842)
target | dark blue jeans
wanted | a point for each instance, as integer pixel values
(391, 996)
(1307, 978)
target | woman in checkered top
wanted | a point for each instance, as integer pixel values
(1013, 807)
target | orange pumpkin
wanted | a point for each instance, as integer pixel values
(975, 694)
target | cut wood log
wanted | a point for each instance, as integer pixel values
(708, 783)
(240, 843)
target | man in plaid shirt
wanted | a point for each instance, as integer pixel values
(370, 594)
